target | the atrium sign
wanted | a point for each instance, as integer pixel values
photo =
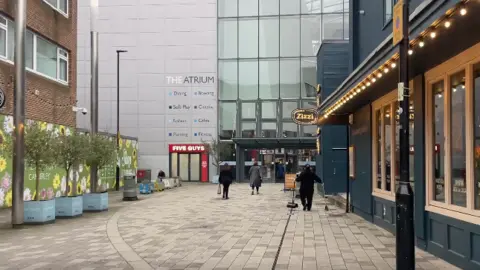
(304, 116)
(190, 79)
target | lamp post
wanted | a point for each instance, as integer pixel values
(405, 233)
(118, 113)
(118, 95)
(94, 86)
(19, 115)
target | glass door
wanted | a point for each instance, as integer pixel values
(194, 167)
(184, 167)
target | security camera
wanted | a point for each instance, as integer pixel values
(84, 111)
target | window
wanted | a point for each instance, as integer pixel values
(269, 110)
(269, 130)
(269, 79)
(309, 77)
(290, 78)
(269, 37)
(248, 8)
(290, 130)
(249, 110)
(288, 108)
(290, 36)
(248, 79)
(227, 73)
(248, 129)
(269, 7)
(227, 38)
(228, 120)
(247, 38)
(289, 7)
(41, 56)
(386, 145)
(3, 37)
(59, 5)
(452, 137)
(388, 10)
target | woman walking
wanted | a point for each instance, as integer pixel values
(255, 177)
(225, 178)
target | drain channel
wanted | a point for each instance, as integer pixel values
(281, 240)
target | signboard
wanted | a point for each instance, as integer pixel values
(398, 22)
(351, 161)
(304, 116)
(186, 148)
(290, 180)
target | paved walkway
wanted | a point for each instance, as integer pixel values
(192, 228)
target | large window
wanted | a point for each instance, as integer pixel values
(228, 120)
(452, 137)
(47, 59)
(386, 145)
(59, 5)
(388, 10)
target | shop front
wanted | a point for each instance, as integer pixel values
(189, 162)
(444, 139)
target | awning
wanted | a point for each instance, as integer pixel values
(434, 53)
(276, 143)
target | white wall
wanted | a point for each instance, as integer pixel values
(164, 38)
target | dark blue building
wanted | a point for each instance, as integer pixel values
(444, 122)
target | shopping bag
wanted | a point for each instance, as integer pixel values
(321, 189)
(219, 191)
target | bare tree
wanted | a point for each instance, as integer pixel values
(217, 150)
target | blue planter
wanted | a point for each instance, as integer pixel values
(69, 206)
(95, 202)
(39, 212)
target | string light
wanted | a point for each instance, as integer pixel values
(447, 23)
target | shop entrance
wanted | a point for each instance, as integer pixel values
(189, 162)
(189, 167)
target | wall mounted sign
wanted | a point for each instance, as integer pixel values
(398, 22)
(2, 99)
(304, 116)
(186, 148)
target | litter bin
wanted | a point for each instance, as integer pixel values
(146, 187)
(129, 188)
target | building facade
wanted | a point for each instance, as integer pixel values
(51, 49)
(267, 67)
(168, 94)
(444, 167)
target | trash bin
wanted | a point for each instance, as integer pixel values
(146, 187)
(129, 188)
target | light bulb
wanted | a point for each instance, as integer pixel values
(374, 80)
(386, 70)
(463, 11)
(433, 34)
(393, 65)
(368, 84)
(421, 44)
(410, 52)
(447, 24)
(379, 75)
(363, 87)
(358, 90)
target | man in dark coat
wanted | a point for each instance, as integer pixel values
(225, 179)
(307, 179)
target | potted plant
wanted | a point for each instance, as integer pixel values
(39, 154)
(101, 152)
(218, 151)
(70, 153)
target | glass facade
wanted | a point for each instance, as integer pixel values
(267, 63)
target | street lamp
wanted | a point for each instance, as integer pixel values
(118, 95)
(118, 114)
(94, 85)
(19, 115)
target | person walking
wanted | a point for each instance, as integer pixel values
(225, 178)
(307, 181)
(255, 177)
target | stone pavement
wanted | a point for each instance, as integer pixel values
(192, 228)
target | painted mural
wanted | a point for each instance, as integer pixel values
(53, 180)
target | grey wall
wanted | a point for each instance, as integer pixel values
(164, 39)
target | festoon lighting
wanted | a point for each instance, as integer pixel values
(445, 22)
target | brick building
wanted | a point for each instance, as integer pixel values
(51, 45)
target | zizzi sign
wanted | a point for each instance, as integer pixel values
(304, 116)
(186, 148)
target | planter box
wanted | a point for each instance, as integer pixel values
(69, 206)
(95, 202)
(39, 212)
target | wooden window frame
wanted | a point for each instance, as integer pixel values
(463, 61)
(387, 100)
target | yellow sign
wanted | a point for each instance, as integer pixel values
(290, 181)
(398, 22)
(304, 116)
